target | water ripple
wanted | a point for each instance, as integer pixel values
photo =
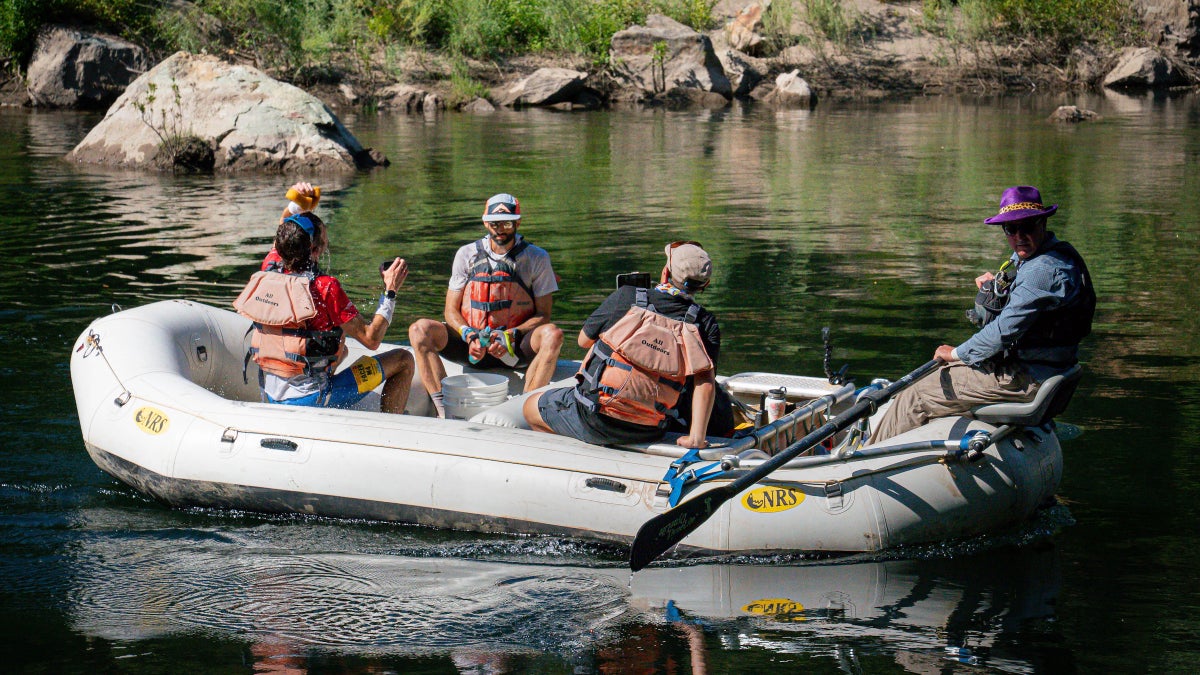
(388, 603)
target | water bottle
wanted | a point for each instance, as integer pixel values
(304, 202)
(776, 403)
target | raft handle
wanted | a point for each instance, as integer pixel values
(605, 484)
(279, 444)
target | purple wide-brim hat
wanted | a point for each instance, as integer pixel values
(1019, 203)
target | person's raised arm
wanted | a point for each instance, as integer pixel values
(371, 334)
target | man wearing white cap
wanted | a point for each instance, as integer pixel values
(650, 362)
(498, 307)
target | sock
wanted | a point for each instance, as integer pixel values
(437, 403)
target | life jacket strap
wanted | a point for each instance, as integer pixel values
(491, 306)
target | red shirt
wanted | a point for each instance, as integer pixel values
(333, 306)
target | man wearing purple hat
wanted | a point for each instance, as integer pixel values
(498, 305)
(1031, 318)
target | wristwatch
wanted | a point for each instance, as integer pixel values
(390, 294)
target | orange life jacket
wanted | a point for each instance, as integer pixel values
(495, 296)
(636, 370)
(280, 305)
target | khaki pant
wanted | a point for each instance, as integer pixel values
(950, 390)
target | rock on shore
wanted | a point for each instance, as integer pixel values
(248, 121)
(667, 57)
(73, 69)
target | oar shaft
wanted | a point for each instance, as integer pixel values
(842, 421)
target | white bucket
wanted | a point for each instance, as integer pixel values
(468, 394)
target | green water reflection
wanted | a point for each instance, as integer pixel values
(864, 218)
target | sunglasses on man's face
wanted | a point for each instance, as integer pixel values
(1020, 227)
(502, 224)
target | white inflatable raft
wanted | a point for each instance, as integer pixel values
(165, 407)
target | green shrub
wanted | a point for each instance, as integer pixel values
(464, 89)
(490, 28)
(305, 34)
(777, 26)
(21, 19)
(1064, 22)
(272, 29)
(831, 20)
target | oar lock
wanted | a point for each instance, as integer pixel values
(681, 475)
(976, 444)
(872, 395)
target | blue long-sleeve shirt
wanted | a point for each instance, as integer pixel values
(1044, 282)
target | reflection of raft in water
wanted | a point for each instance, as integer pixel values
(247, 583)
(165, 407)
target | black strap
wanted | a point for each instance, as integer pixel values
(249, 353)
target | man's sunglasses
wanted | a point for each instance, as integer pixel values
(1020, 227)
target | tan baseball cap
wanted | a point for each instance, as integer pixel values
(686, 261)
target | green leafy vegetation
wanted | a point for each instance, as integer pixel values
(833, 21)
(1062, 22)
(777, 26)
(463, 88)
(179, 147)
(296, 34)
(21, 19)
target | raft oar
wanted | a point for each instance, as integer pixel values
(667, 529)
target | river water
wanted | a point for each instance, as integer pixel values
(863, 218)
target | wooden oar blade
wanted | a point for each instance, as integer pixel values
(667, 529)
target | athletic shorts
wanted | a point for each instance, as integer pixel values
(566, 415)
(346, 388)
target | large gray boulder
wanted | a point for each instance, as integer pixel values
(1172, 25)
(479, 106)
(248, 120)
(546, 87)
(401, 98)
(1143, 68)
(1070, 114)
(664, 55)
(744, 72)
(73, 69)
